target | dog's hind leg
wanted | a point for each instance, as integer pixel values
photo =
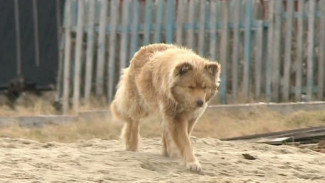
(130, 134)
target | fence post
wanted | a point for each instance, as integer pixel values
(180, 21)
(191, 21)
(287, 52)
(170, 21)
(17, 29)
(124, 36)
(67, 56)
(300, 49)
(112, 49)
(235, 49)
(159, 20)
(258, 58)
(79, 42)
(247, 49)
(269, 52)
(101, 50)
(202, 29)
(90, 50)
(147, 25)
(321, 62)
(135, 28)
(224, 52)
(310, 49)
(276, 51)
(36, 34)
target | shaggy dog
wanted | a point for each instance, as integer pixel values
(175, 84)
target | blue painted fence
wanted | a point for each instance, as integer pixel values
(269, 50)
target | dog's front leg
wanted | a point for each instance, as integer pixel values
(178, 128)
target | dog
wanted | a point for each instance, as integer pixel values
(175, 84)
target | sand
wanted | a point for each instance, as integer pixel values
(99, 160)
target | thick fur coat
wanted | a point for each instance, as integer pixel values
(173, 83)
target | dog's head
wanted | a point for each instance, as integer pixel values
(195, 82)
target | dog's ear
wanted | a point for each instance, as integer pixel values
(182, 68)
(213, 69)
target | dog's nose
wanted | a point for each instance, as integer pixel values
(199, 103)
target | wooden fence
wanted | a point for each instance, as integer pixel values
(269, 50)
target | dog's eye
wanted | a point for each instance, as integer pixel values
(191, 87)
(204, 87)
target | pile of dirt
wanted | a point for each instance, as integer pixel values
(98, 160)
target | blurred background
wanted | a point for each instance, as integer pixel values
(65, 57)
(270, 50)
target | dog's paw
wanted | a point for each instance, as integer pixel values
(194, 166)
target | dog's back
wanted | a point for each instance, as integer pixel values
(128, 102)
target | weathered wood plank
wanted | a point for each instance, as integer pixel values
(17, 30)
(159, 20)
(180, 21)
(135, 27)
(276, 52)
(60, 39)
(270, 36)
(202, 29)
(124, 35)
(247, 49)
(310, 50)
(321, 62)
(170, 21)
(114, 4)
(147, 20)
(213, 31)
(67, 56)
(191, 21)
(77, 63)
(287, 51)
(235, 49)
(300, 49)
(258, 58)
(224, 52)
(101, 49)
(90, 50)
(36, 33)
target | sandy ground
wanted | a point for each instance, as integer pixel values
(99, 160)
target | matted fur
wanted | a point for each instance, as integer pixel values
(173, 83)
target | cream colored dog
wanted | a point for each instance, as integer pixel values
(175, 84)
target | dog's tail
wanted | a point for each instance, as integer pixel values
(114, 110)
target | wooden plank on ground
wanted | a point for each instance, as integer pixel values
(77, 63)
(101, 49)
(321, 61)
(300, 49)
(90, 50)
(112, 49)
(147, 20)
(67, 57)
(224, 52)
(247, 49)
(287, 51)
(258, 58)
(235, 49)
(310, 50)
